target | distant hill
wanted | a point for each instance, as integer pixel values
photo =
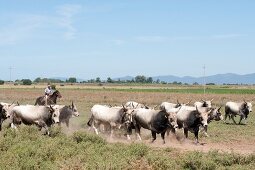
(228, 78)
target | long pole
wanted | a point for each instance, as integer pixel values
(10, 68)
(204, 79)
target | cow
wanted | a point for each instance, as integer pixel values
(135, 105)
(108, 116)
(215, 115)
(242, 109)
(7, 107)
(42, 116)
(66, 112)
(2, 115)
(171, 107)
(191, 118)
(157, 121)
(204, 103)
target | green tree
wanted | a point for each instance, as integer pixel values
(38, 80)
(1, 82)
(140, 79)
(149, 80)
(98, 80)
(109, 80)
(26, 81)
(72, 80)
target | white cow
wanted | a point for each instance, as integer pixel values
(135, 105)
(204, 103)
(109, 116)
(242, 109)
(191, 118)
(172, 107)
(42, 116)
(66, 112)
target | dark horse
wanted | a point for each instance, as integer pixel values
(52, 99)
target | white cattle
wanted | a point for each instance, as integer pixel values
(171, 107)
(66, 112)
(158, 121)
(135, 105)
(242, 109)
(42, 116)
(204, 103)
(109, 116)
(190, 118)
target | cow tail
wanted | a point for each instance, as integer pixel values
(90, 120)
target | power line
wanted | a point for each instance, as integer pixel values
(204, 79)
(10, 69)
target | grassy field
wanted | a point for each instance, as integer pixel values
(228, 147)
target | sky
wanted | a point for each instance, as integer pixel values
(89, 39)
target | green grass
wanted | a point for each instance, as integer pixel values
(28, 149)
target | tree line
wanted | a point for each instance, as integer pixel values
(138, 79)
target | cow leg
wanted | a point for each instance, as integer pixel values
(196, 130)
(41, 124)
(186, 132)
(168, 131)
(138, 132)
(13, 126)
(111, 131)
(226, 115)
(112, 127)
(232, 117)
(67, 123)
(163, 137)
(154, 136)
(95, 129)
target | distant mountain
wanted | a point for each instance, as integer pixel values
(124, 78)
(228, 78)
(65, 78)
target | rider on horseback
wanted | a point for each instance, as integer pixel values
(48, 92)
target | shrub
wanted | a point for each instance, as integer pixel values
(1, 82)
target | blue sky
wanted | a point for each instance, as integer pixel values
(89, 39)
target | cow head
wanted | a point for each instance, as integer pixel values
(7, 108)
(54, 113)
(75, 112)
(207, 103)
(172, 117)
(249, 105)
(215, 114)
(246, 108)
(2, 112)
(203, 116)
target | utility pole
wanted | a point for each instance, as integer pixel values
(204, 79)
(10, 69)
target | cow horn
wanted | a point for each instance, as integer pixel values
(136, 106)
(133, 105)
(155, 107)
(203, 100)
(72, 104)
(178, 101)
(219, 108)
(123, 106)
(17, 103)
(110, 105)
(212, 99)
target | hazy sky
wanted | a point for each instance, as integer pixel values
(88, 39)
